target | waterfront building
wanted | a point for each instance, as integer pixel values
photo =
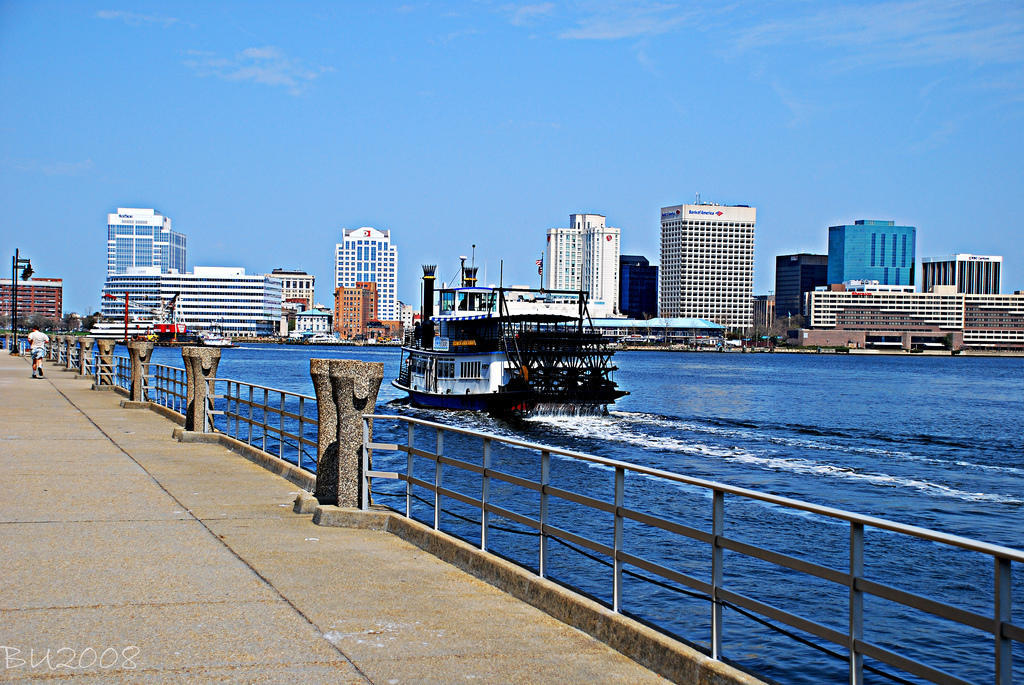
(638, 287)
(355, 308)
(42, 296)
(707, 263)
(868, 316)
(366, 255)
(968, 273)
(673, 330)
(872, 250)
(141, 239)
(315, 320)
(795, 275)
(764, 311)
(296, 286)
(209, 298)
(585, 256)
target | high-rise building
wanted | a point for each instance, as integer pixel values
(355, 308)
(585, 256)
(296, 286)
(871, 250)
(212, 297)
(638, 287)
(42, 296)
(764, 311)
(142, 238)
(366, 255)
(970, 273)
(707, 263)
(796, 274)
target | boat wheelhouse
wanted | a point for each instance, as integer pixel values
(506, 350)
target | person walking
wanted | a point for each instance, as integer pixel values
(38, 341)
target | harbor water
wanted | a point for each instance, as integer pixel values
(929, 441)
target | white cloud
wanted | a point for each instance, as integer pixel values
(134, 19)
(51, 168)
(521, 15)
(628, 20)
(267, 65)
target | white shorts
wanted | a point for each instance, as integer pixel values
(38, 353)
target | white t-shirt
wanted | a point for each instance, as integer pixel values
(38, 339)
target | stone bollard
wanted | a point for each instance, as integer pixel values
(200, 363)
(84, 357)
(105, 363)
(139, 352)
(348, 391)
(69, 349)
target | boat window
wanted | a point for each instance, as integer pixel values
(447, 301)
(469, 370)
(446, 368)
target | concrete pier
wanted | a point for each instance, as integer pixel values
(184, 561)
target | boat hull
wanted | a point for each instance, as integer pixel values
(497, 403)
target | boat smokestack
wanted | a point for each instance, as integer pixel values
(427, 326)
(469, 276)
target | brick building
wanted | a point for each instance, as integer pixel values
(354, 309)
(43, 296)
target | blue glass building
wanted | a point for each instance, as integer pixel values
(638, 287)
(873, 251)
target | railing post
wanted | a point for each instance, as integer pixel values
(856, 602)
(238, 391)
(485, 494)
(200, 364)
(302, 425)
(69, 349)
(408, 483)
(545, 478)
(105, 363)
(620, 502)
(438, 478)
(1003, 613)
(263, 422)
(717, 558)
(364, 498)
(345, 390)
(139, 352)
(85, 357)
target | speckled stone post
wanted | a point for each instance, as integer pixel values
(69, 350)
(85, 357)
(139, 351)
(327, 420)
(355, 385)
(51, 352)
(105, 359)
(200, 363)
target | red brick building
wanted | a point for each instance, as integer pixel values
(42, 296)
(354, 308)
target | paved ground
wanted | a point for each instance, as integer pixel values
(127, 556)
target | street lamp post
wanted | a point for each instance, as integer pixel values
(26, 273)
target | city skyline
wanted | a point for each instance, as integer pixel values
(263, 130)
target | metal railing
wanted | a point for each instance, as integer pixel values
(851, 580)
(168, 387)
(273, 420)
(122, 368)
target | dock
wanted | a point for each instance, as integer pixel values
(129, 556)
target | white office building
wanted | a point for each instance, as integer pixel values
(366, 255)
(315, 320)
(296, 285)
(707, 263)
(141, 239)
(969, 273)
(585, 256)
(211, 297)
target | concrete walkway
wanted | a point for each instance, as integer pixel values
(127, 556)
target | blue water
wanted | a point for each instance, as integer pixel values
(929, 441)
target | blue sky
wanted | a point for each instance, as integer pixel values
(262, 129)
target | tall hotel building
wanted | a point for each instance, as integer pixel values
(142, 238)
(707, 263)
(969, 273)
(585, 256)
(366, 255)
(871, 250)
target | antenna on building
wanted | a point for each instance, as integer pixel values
(697, 201)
